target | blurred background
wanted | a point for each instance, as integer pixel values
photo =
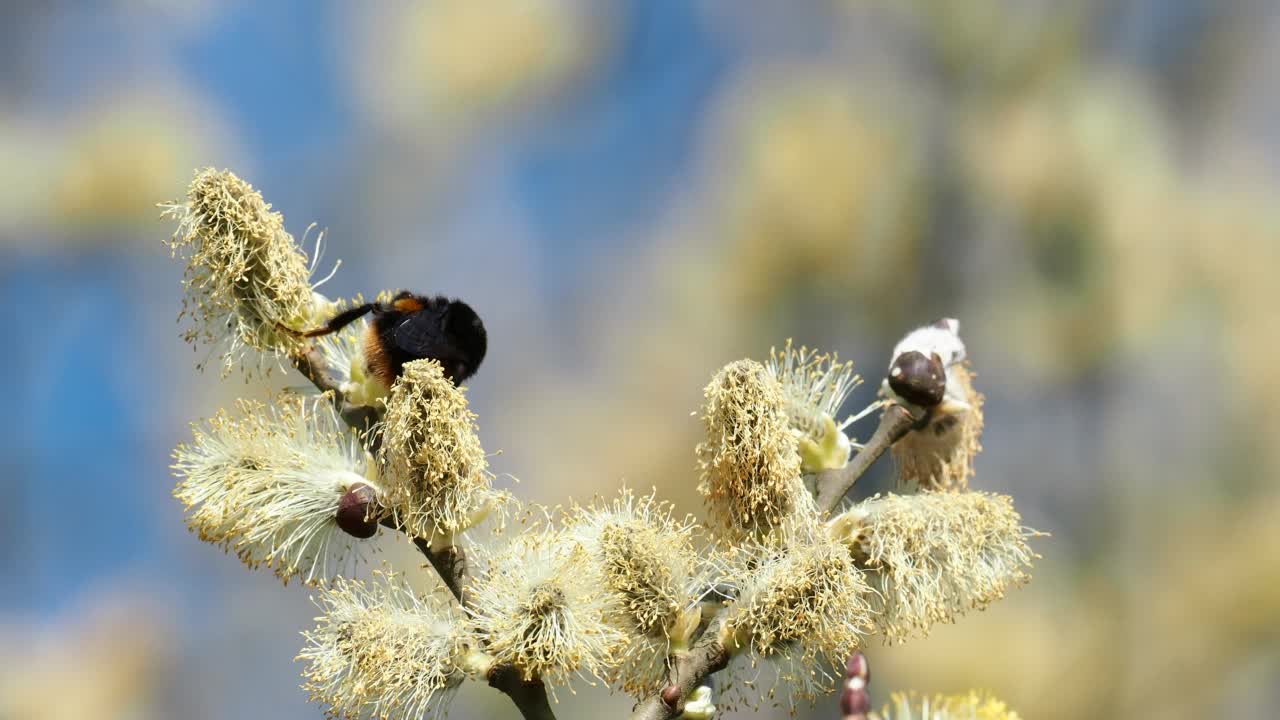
(632, 193)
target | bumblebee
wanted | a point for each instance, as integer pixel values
(922, 365)
(413, 327)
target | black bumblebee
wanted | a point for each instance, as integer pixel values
(413, 327)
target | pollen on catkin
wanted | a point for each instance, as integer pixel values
(268, 485)
(940, 456)
(534, 608)
(803, 608)
(646, 563)
(934, 556)
(381, 651)
(972, 705)
(245, 276)
(436, 476)
(750, 466)
(814, 387)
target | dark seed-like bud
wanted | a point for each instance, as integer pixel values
(918, 379)
(353, 512)
(671, 696)
(857, 667)
(855, 701)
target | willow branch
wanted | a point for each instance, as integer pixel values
(311, 363)
(450, 562)
(530, 697)
(690, 670)
(832, 485)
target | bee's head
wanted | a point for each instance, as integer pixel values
(406, 302)
(467, 338)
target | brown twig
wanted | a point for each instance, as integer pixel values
(530, 697)
(310, 362)
(832, 485)
(450, 562)
(691, 669)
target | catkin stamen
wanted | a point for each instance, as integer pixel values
(436, 474)
(750, 463)
(246, 279)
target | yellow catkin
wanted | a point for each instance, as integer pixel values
(750, 466)
(940, 456)
(381, 651)
(646, 563)
(534, 608)
(934, 556)
(972, 705)
(266, 484)
(245, 276)
(436, 476)
(815, 386)
(803, 609)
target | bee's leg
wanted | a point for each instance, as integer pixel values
(337, 322)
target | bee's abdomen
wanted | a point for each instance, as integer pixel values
(375, 353)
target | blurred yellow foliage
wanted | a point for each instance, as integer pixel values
(441, 66)
(1081, 177)
(98, 173)
(108, 665)
(1157, 631)
(821, 187)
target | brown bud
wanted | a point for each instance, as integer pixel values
(857, 667)
(671, 696)
(354, 516)
(918, 379)
(855, 701)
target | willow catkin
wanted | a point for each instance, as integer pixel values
(750, 466)
(646, 563)
(802, 608)
(972, 705)
(246, 279)
(436, 476)
(268, 483)
(934, 556)
(814, 387)
(940, 456)
(381, 651)
(535, 609)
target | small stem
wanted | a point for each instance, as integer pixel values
(691, 669)
(310, 362)
(450, 562)
(530, 697)
(895, 422)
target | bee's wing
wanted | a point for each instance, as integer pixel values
(421, 333)
(424, 334)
